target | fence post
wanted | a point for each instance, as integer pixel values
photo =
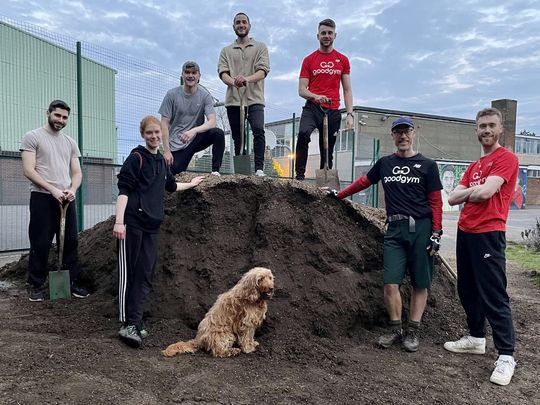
(293, 150)
(80, 194)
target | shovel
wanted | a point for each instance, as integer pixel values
(326, 177)
(242, 162)
(447, 266)
(59, 282)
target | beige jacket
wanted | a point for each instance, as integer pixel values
(236, 60)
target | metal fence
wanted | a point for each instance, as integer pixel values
(109, 93)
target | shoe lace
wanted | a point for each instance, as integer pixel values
(503, 366)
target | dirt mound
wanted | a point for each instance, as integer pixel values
(326, 256)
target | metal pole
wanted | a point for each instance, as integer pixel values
(80, 195)
(377, 148)
(293, 149)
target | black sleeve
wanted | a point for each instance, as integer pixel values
(433, 181)
(170, 181)
(374, 174)
(128, 178)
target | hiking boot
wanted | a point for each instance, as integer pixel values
(131, 336)
(411, 341)
(395, 336)
(504, 370)
(143, 331)
(259, 173)
(467, 344)
(37, 294)
(78, 291)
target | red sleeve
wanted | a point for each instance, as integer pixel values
(435, 202)
(304, 70)
(360, 184)
(346, 66)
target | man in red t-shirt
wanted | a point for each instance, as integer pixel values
(486, 189)
(320, 77)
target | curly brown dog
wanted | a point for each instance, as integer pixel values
(234, 317)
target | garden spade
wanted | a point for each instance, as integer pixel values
(242, 162)
(59, 282)
(326, 177)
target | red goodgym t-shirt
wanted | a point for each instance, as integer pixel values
(324, 71)
(489, 215)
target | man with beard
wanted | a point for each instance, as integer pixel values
(486, 189)
(51, 163)
(320, 77)
(412, 195)
(183, 126)
(243, 66)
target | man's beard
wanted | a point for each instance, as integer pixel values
(56, 126)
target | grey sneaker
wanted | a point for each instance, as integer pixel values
(260, 173)
(411, 341)
(504, 370)
(37, 294)
(131, 336)
(395, 336)
(467, 344)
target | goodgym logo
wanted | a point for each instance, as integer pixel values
(401, 175)
(327, 67)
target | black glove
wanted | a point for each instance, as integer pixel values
(333, 194)
(434, 243)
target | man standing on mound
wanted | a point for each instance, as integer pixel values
(243, 67)
(412, 195)
(322, 72)
(486, 189)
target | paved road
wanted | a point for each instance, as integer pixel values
(518, 221)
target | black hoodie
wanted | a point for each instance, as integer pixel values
(143, 178)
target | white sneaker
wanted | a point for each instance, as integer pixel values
(215, 174)
(259, 173)
(504, 370)
(467, 344)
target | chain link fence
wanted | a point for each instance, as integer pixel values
(116, 91)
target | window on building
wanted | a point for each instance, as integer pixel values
(344, 143)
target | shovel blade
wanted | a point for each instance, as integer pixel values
(327, 178)
(59, 285)
(242, 165)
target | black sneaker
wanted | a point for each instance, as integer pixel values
(411, 341)
(78, 291)
(37, 294)
(300, 177)
(131, 336)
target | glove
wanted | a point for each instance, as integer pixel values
(434, 243)
(333, 194)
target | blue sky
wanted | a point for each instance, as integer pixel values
(435, 57)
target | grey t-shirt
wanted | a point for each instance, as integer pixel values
(185, 112)
(54, 152)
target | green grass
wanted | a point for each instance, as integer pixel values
(527, 258)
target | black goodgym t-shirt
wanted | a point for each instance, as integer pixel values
(407, 183)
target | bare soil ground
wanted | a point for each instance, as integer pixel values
(316, 346)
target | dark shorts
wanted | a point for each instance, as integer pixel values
(407, 250)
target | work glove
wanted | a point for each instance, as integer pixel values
(434, 243)
(333, 194)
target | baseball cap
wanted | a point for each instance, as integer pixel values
(190, 65)
(403, 121)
